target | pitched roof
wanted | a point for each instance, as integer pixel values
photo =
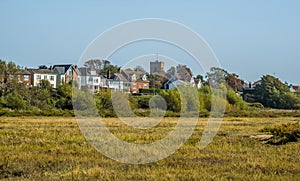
(40, 71)
(23, 72)
(126, 74)
(119, 76)
(86, 71)
(62, 69)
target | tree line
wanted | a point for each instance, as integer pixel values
(16, 96)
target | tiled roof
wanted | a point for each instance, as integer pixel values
(62, 69)
(23, 72)
(86, 71)
(40, 71)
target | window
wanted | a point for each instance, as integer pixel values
(19, 77)
(70, 72)
(90, 79)
(51, 77)
(52, 85)
(145, 86)
(45, 77)
(134, 86)
(38, 77)
(95, 80)
(26, 77)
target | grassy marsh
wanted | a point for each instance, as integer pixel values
(43, 148)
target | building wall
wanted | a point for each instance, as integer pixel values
(71, 75)
(92, 82)
(135, 86)
(116, 85)
(37, 77)
(25, 79)
(156, 67)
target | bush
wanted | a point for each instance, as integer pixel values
(256, 105)
(15, 101)
(283, 134)
(236, 100)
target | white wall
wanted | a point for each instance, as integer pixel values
(42, 77)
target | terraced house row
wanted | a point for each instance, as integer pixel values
(123, 81)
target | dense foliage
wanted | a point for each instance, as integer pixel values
(283, 134)
(271, 92)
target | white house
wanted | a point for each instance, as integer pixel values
(90, 79)
(43, 74)
(116, 85)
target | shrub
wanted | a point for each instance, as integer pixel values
(283, 133)
(15, 101)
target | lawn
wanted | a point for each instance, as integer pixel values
(53, 148)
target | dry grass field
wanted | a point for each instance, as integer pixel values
(53, 148)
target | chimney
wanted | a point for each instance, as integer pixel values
(51, 68)
(250, 86)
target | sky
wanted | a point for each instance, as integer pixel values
(249, 38)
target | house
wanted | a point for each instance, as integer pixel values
(177, 80)
(24, 76)
(294, 88)
(133, 80)
(115, 85)
(43, 74)
(174, 82)
(66, 73)
(90, 79)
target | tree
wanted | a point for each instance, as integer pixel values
(15, 101)
(103, 67)
(43, 67)
(171, 71)
(139, 68)
(96, 64)
(201, 78)
(216, 77)
(184, 72)
(109, 70)
(234, 82)
(273, 93)
(2, 70)
(64, 94)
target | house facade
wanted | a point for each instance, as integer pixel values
(66, 73)
(24, 76)
(133, 80)
(91, 80)
(43, 74)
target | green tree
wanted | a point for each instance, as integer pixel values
(273, 93)
(64, 95)
(109, 70)
(15, 101)
(216, 77)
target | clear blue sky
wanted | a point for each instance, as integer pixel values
(250, 38)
